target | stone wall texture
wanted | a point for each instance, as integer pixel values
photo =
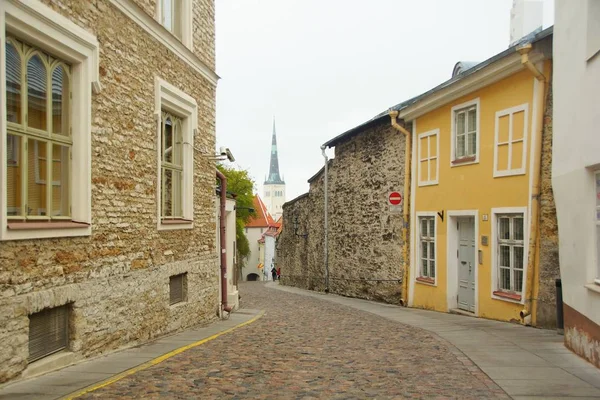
(365, 238)
(117, 280)
(548, 257)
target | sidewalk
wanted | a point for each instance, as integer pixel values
(527, 363)
(88, 375)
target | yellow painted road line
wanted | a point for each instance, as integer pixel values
(154, 361)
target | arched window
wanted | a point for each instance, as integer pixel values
(38, 141)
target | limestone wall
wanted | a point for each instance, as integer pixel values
(117, 280)
(365, 238)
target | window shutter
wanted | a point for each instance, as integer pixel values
(48, 332)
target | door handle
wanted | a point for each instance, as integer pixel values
(463, 262)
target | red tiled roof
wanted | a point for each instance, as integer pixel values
(262, 218)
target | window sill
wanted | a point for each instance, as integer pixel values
(593, 287)
(22, 226)
(507, 295)
(428, 183)
(464, 160)
(426, 280)
(176, 221)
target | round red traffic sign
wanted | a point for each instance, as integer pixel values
(395, 198)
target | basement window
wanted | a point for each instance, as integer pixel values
(178, 288)
(48, 332)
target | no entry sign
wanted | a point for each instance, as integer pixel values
(395, 202)
(395, 199)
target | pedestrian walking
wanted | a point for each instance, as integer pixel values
(274, 273)
(278, 273)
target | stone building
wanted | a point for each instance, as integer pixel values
(365, 236)
(483, 232)
(113, 102)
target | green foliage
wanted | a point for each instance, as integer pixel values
(241, 185)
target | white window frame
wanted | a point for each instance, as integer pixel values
(510, 112)
(419, 274)
(597, 225)
(458, 107)
(39, 25)
(186, 21)
(495, 270)
(428, 135)
(177, 102)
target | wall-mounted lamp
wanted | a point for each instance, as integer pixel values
(304, 235)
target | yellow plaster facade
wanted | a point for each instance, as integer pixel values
(493, 183)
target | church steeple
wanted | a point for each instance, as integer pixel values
(274, 178)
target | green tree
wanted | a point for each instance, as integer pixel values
(241, 185)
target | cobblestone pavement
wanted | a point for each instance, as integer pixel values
(304, 348)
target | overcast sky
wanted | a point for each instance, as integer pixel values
(322, 67)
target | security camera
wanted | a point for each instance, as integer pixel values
(230, 156)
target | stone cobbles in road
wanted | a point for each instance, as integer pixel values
(305, 348)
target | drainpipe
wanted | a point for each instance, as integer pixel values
(405, 209)
(532, 273)
(325, 192)
(223, 240)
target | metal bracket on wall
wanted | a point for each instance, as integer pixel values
(441, 215)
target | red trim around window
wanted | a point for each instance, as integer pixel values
(426, 279)
(507, 295)
(464, 160)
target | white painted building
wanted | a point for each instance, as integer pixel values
(255, 228)
(576, 169)
(232, 290)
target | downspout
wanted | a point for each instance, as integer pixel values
(325, 192)
(223, 241)
(405, 205)
(540, 100)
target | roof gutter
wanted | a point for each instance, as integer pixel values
(405, 205)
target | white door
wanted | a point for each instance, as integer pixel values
(466, 264)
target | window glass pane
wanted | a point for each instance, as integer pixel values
(472, 124)
(167, 192)
(424, 271)
(460, 123)
(177, 11)
(472, 144)
(424, 250)
(13, 175)
(518, 257)
(177, 194)
(460, 146)
(432, 269)
(504, 259)
(13, 84)
(36, 177)
(167, 11)
(423, 227)
(60, 101)
(177, 142)
(504, 228)
(505, 278)
(60, 180)
(431, 227)
(167, 155)
(518, 280)
(431, 251)
(36, 93)
(518, 228)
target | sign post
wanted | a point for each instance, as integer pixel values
(395, 202)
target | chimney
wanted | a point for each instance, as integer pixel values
(526, 16)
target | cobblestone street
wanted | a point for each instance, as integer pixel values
(307, 348)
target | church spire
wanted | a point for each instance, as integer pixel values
(274, 178)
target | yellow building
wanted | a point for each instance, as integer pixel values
(476, 143)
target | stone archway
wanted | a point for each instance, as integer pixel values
(253, 277)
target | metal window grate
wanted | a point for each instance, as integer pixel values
(177, 288)
(48, 332)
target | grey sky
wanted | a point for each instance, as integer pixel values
(324, 66)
